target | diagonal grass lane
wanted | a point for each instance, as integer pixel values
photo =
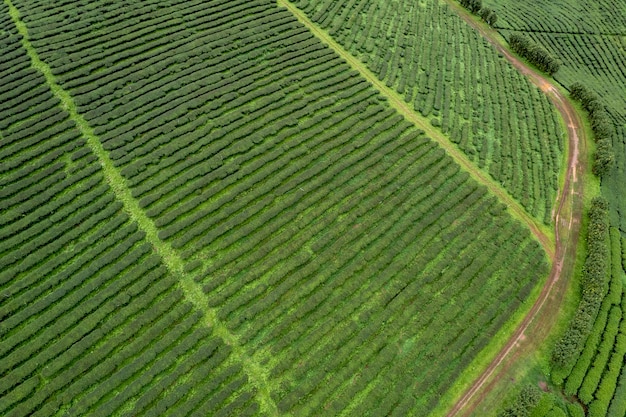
(541, 232)
(174, 263)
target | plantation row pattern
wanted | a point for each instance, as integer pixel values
(91, 322)
(449, 74)
(346, 252)
(588, 362)
(602, 17)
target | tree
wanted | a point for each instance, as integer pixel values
(472, 5)
(488, 15)
(534, 53)
(604, 158)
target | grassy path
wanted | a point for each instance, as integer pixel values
(540, 231)
(530, 333)
(192, 291)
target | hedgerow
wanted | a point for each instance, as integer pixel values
(535, 53)
(594, 283)
(601, 125)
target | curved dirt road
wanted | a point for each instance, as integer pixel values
(567, 227)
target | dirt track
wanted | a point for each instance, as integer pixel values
(567, 227)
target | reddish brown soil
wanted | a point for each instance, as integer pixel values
(567, 218)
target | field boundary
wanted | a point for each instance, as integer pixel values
(174, 263)
(538, 230)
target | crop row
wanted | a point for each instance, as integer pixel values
(596, 55)
(90, 320)
(461, 84)
(600, 383)
(591, 53)
(594, 378)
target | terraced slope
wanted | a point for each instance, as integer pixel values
(449, 74)
(228, 220)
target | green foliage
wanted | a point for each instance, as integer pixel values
(618, 276)
(617, 407)
(608, 385)
(529, 397)
(604, 157)
(577, 375)
(613, 298)
(460, 84)
(575, 410)
(543, 407)
(488, 15)
(473, 6)
(594, 283)
(535, 53)
(594, 375)
(328, 234)
(557, 412)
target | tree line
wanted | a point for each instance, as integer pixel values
(534, 52)
(594, 284)
(487, 14)
(600, 124)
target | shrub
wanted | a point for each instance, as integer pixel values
(535, 53)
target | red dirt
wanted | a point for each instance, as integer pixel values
(567, 228)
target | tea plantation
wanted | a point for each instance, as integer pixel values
(205, 211)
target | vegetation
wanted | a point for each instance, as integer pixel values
(592, 67)
(532, 402)
(585, 38)
(332, 255)
(528, 399)
(536, 54)
(488, 15)
(594, 284)
(601, 126)
(449, 74)
(597, 346)
(594, 375)
(473, 6)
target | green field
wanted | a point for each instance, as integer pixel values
(205, 211)
(448, 73)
